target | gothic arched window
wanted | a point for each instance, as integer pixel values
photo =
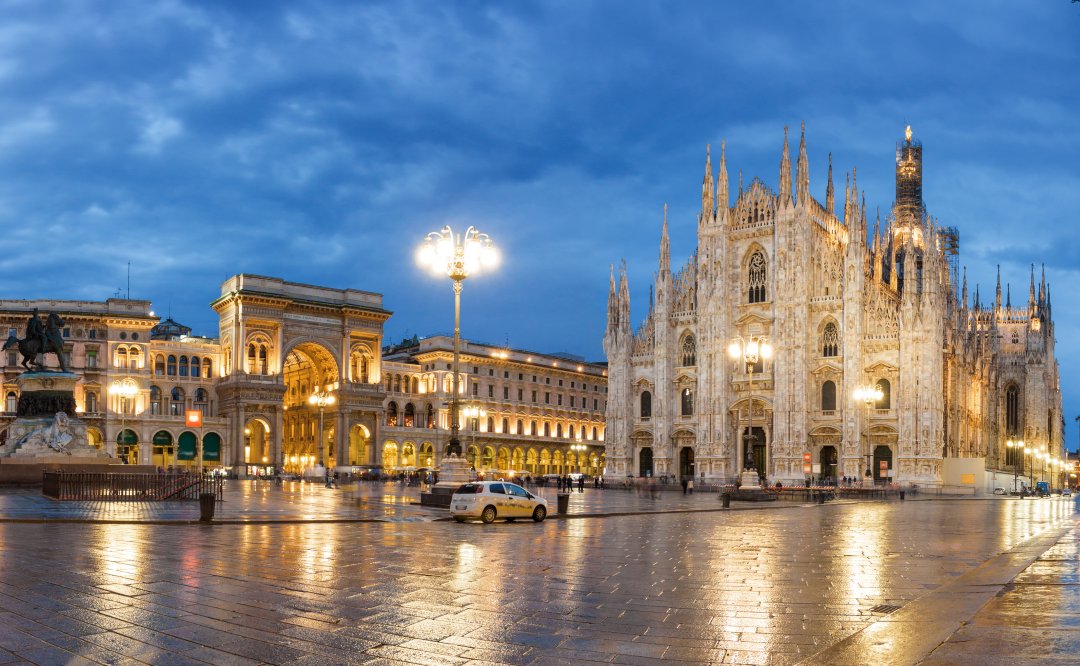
(828, 396)
(756, 278)
(830, 340)
(687, 402)
(689, 351)
(646, 405)
(1012, 410)
(886, 394)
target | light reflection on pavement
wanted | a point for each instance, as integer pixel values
(763, 586)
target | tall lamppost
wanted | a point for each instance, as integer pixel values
(868, 395)
(750, 350)
(579, 450)
(1016, 450)
(475, 412)
(457, 257)
(125, 390)
(1029, 454)
(321, 399)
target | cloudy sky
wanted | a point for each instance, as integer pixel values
(320, 141)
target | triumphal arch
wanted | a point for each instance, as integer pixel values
(300, 381)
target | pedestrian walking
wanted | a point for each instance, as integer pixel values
(581, 484)
(690, 485)
(684, 485)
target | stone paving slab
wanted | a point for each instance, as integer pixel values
(738, 587)
(264, 501)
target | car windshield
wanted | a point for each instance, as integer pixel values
(469, 489)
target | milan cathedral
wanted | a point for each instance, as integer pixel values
(845, 312)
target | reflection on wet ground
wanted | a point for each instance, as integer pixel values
(768, 586)
(266, 501)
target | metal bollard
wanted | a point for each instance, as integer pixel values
(206, 507)
(725, 498)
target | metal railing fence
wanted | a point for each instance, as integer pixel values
(126, 487)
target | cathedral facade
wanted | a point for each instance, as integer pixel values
(845, 312)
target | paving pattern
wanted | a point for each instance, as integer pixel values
(769, 586)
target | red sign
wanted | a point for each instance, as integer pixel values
(194, 418)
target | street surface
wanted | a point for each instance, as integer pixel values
(945, 581)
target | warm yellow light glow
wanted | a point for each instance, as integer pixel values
(907, 133)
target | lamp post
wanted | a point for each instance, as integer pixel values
(868, 395)
(125, 389)
(457, 257)
(750, 350)
(475, 412)
(578, 450)
(1017, 449)
(1028, 454)
(322, 399)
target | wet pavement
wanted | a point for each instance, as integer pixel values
(937, 581)
(266, 501)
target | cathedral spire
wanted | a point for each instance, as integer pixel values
(847, 199)
(1031, 290)
(964, 294)
(785, 172)
(1042, 286)
(707, 195)
(830, 197)
(802, 171)
(1008, 296)
(740, 186)
(722, 202)
(997, 298)
(665, 248)
(624, 298)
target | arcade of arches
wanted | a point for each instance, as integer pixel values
(536, 460)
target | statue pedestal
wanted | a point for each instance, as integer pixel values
(750, 489)
(38, 433)
(749, 479)
(453, 471)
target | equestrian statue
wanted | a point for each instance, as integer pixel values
(40, 339)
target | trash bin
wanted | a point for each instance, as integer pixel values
(206, 507)
(726, 499)
(901, 495)
(820, 497)
(564, 502)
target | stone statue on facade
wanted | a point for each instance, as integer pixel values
(56, 435)
(40, 339)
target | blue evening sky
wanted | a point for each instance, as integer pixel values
(319, 141)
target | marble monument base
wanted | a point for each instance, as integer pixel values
(453, 471)
(750, 489)
(46, 426)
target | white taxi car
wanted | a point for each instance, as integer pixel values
(488, 500)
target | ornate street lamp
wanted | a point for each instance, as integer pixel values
(868, 395)
(322, 399)
(125, 390)
(750, 350)
(1017, 456)
(475, 412)
(580, 449)
(457, 257)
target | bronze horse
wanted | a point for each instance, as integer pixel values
(53, 343)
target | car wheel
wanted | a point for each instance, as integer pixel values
(488, 516)
(539, 513)
(460, 519)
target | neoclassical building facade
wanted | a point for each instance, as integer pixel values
(842, 308)
(282, 343)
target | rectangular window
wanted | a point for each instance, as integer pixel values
(476, 389)
(506, 374)
(475, 370)
(11, 360)
(547, 398)
(491, 390)
(560, 399)
(595, 404)
(534, 396)
(491, 372)
(534, 379)
(93, 333)
(521, 376)
(67, 332)
(91, 359)
(13, 331)
(572, 385)
(506, 393)
(571, 401)
(560, 382)
(547, 380)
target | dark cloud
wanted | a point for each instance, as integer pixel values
(320, 140)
